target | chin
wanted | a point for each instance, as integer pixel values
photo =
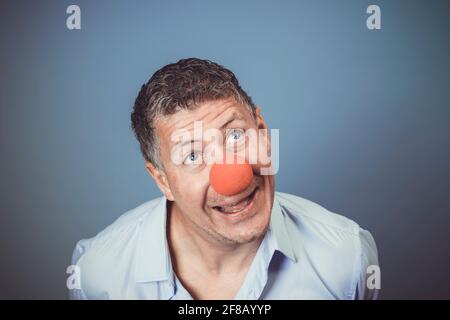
(249, 237)
(249, 231)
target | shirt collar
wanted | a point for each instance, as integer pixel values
(279, 224)
(153, 256)
(153, 261)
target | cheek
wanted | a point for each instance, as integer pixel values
(190, 188)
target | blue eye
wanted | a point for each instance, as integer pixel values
(236, 134)
(192, 158)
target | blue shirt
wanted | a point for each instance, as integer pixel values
(308, 252)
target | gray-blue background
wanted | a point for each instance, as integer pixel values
(363, 115)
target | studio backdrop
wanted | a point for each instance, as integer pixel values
(362, 108)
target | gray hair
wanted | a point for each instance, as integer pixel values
(180, 86)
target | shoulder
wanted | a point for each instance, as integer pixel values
(336, 247)
(314, 214)
(109, 254)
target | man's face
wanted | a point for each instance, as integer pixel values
(194, 199)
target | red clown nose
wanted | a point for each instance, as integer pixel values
(231, 178)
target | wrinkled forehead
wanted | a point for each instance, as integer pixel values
(212, 114)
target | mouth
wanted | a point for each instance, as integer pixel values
(239, 206)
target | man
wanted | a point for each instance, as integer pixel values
(220, 231)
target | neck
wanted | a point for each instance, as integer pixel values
(191, 246)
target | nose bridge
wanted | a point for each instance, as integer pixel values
(229, 178)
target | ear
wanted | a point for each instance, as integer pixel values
(160, 179)
(261, 124)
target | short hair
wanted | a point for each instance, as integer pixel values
(180, 86)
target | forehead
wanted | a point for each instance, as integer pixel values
(211, 113)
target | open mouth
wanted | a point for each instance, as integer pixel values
(238, 206)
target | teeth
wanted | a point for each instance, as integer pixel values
(236, 207)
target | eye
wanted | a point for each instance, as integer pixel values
(194, 157)
(235, 135)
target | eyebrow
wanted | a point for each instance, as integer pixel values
(234, 116)
(182, 144)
